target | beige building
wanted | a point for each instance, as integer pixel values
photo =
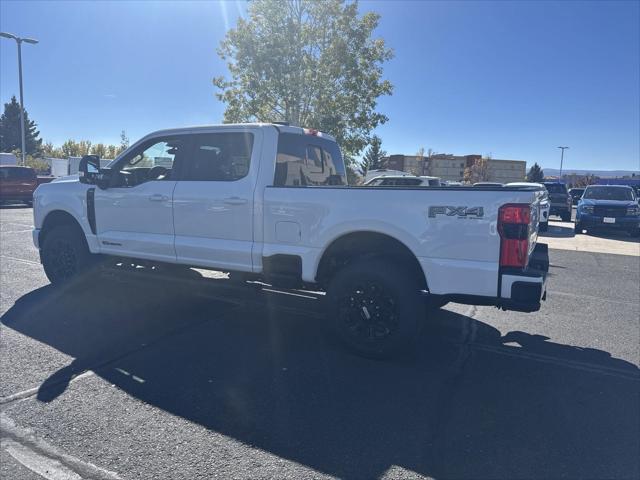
(505, 171)
(452, 167)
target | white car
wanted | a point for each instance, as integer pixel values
(271, 201)
(545, 204)
(383, 172)
(403, 181)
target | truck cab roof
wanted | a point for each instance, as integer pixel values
(232, 126)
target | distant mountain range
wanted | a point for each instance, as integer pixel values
(599, 173)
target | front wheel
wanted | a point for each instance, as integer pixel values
(578, 228)
(375, 308)
(566, 216)
(65, 254)
(544, 226)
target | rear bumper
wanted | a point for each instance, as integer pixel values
(518, 290)
(524, 290)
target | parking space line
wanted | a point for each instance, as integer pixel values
(593, 297)
(31, 262)
(30, 392)
(44, 466)
(45, 459)
(5, 232)
(562, 362)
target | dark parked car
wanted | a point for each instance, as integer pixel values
(17, 184)
(560, 200)
(610, 207)
(576, 194)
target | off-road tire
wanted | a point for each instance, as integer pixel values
(65, 254)
(375, 308)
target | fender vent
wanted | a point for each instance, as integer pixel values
(91, 209)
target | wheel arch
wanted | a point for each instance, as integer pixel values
(368, 243)
(56, 218)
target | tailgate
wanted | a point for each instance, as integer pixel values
(522, 280)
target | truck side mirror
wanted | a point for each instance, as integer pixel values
(89, 169)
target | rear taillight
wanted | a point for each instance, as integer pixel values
(513, 226)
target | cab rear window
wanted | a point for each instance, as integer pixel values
(556, 187)
(305, 160)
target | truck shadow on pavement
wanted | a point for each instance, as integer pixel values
(470, 403)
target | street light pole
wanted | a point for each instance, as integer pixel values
(22, 125)
(561, 160)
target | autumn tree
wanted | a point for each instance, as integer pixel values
(310, 63)
(418, 168)
(478, 171)
(74, 148)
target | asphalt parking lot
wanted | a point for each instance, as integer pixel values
(136, 379)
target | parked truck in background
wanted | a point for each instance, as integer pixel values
(272, 201)
(560, 200)
(545, 206)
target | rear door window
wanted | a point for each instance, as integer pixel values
(305, 160)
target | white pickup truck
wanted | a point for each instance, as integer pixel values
(271, 201)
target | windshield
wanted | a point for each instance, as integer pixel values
(556, 187)
(609, 193)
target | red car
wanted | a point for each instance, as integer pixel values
(17, 184)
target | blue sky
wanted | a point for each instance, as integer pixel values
(510, 79)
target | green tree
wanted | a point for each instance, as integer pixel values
(10, 131)
(536, 174)
(306, 62)
(373, 156)
(38, 164)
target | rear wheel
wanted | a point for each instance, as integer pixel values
(65, 254)
(375, 308)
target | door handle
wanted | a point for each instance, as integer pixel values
(156, 197)
(235, 201)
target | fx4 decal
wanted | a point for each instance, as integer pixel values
(460, 212)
